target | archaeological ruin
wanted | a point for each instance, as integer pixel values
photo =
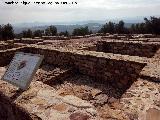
(85, 78)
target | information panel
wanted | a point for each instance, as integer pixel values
(22, 69)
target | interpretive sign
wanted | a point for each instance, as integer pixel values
(22, 69)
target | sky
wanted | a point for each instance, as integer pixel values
(82, 11)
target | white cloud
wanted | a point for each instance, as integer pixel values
(84, 10)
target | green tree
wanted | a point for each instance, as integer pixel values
(154, 25)
(37, 33)
(148, 28)
(90, 32)
(51, 30)
(81, 31)
(7, 32)
(27, 34)
(66, 33)
(19, 35)
(142, 28)
(151, 25)
(108, 28)
(0, 32)
(24, 34)
(47, 32)
(119, 28)
(132, 29)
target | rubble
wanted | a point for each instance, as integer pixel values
(86, 78)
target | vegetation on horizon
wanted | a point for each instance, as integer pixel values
(149, 26)
(81, 31)
(6, 32)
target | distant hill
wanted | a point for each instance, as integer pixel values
(61, 27)
(128, 24)
(93, 25)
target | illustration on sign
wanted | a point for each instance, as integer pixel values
(22, 69)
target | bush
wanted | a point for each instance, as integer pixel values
(81, 31)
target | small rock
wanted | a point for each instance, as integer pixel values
(101, 99)
(72, 109)
(60, 107)
(112, 100)
(86, 96)
(91, 111)
(107, 113)
(56, 115)
(79, 116)
(75, 101)
(157, 103)
(46, 93)
(128, 95)
(94, 92)
(38, 101)
(153, 114)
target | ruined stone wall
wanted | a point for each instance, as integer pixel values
(29, 41)
(119, 73)
(53, 57)
(133, 49)
(8, 46)
(92, 48)
(7, 55)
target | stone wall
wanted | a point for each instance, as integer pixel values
(92, 48)
(8, 46)
(120, 73)
(7, 55)
(55, 38)
(53, 57)
(133, 49)
(28, 41)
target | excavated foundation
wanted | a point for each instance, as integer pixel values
(127, 48)
(101, 78)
